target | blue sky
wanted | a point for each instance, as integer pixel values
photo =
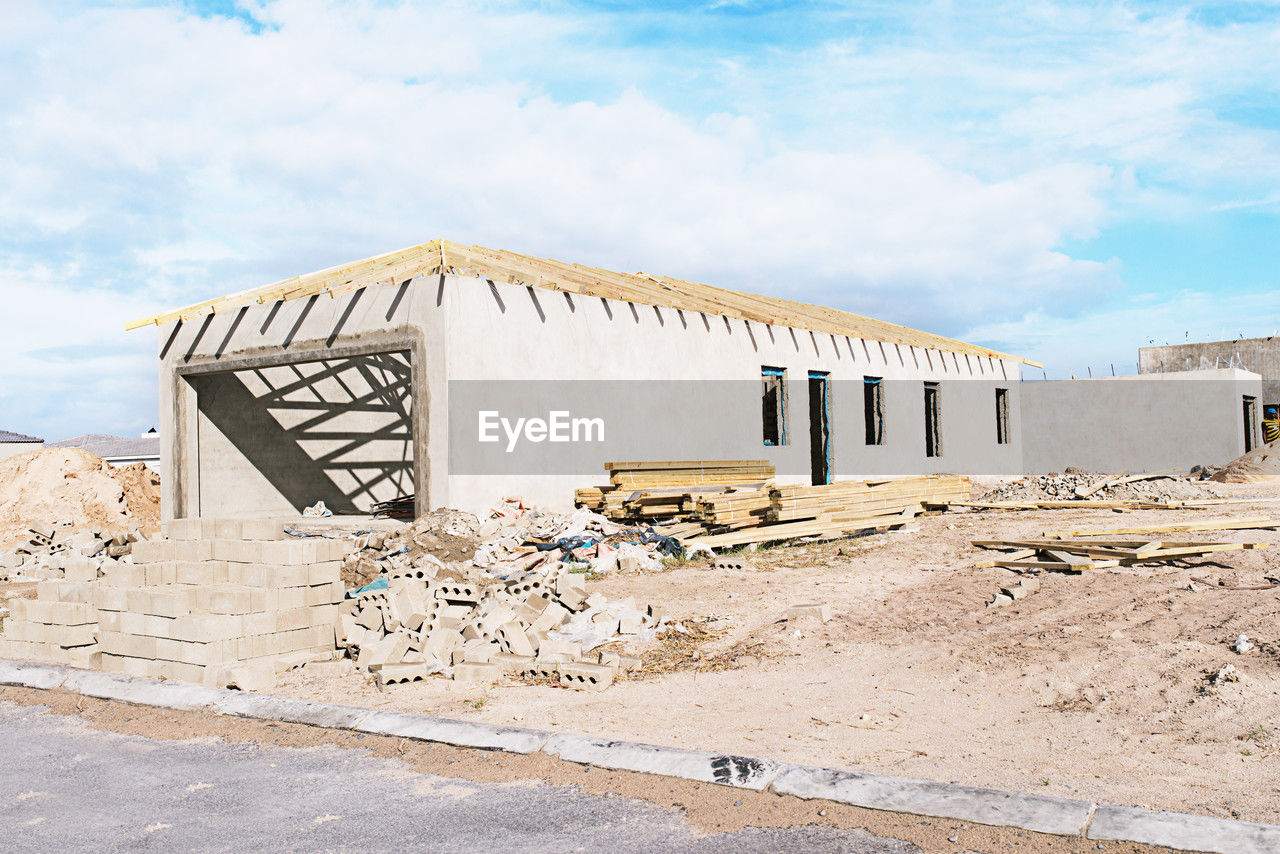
(1066, 181)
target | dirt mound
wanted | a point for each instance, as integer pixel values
(70, 485)
(1259, 464)
(1063, 487)
(141, 488)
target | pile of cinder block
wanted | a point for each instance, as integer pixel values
(220, 602)
(60, 625)
(50, 549)
(478, 628)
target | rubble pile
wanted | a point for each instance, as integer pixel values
(1066, 486)
(51, 552)
(517, 605)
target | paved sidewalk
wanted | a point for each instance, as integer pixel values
(65, 786)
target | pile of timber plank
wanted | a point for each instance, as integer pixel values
(864, 498)
(644, 491)
(727, 503)
(1077, 555)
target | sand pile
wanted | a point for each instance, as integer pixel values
(1259, 464)
(57, 486)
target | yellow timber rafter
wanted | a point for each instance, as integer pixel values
(444, 256)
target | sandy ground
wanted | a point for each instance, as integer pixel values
(1094, 687)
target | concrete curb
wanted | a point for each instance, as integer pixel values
(1060, 816)
(741, 771)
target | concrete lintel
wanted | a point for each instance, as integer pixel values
(361, 344)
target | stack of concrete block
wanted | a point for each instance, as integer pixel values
(59, 626)
(222, 602)
(48, 549)
(540, 624)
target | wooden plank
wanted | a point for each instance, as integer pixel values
(1109, 480)
(1060, 566)
(1024, 554)
(1253, 522)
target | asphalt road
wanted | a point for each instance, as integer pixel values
(65, 786)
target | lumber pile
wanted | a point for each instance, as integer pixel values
(728, 503)
(645, 491)
(1078, 555)
(864, 498)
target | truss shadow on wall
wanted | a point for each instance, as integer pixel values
(338, 431)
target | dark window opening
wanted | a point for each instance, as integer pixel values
(873, 408)
(1250, 423)
(1002, 416)
(932, 421)
(819, 427)
(773, 404)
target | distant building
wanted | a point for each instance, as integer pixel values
(17, 443)
(118, 450)
(1257, 355)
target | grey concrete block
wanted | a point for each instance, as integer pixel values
(26, 675)
(741, 771)
(458, 733)
(1178, 830)
(922, 797)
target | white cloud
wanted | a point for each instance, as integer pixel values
(152, 158)
(1099, 340)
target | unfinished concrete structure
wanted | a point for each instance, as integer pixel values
(460, 374)
(360, 383)
(1258, 355)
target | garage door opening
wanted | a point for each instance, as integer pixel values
(277, 439)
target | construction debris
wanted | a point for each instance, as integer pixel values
(1013, 592)
(1085, 488)
(59, 551)
(477, 601)
(820, 611)
(1067, 555)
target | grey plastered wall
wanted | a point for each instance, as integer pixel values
(401, 318)
(1140, 423)
(521, 335)
(1259, 355)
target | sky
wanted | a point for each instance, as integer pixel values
(1063, 181)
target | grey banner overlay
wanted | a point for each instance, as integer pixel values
(983, 426)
